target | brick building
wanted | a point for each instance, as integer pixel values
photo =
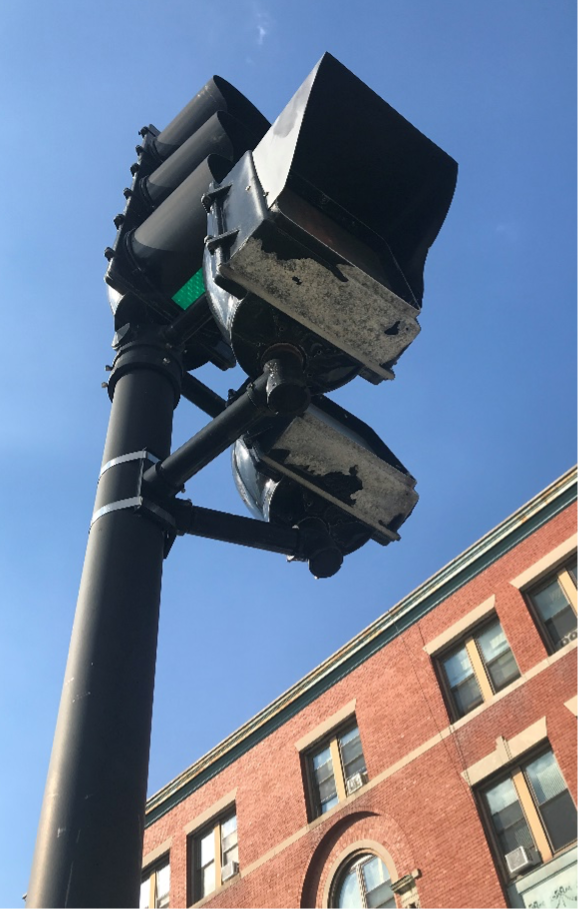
(431, 762)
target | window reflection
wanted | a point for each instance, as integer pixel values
(364, 883)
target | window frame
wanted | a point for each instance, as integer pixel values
(213, 825)
(562, 576)
(329, 740)
(468, 640)
(150, 873)
(356, 862)
(517, 775)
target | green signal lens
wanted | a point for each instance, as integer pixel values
(191, 291)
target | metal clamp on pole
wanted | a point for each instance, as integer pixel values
(138, 503)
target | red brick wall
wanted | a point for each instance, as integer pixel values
(425, 814)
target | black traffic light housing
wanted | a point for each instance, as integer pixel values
(325, 463)
(313, 235)
(329, 220)
(156, 259)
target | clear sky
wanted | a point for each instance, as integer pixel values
(482, 410)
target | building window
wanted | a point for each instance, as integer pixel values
(215, 855)
(555, 605)
(155, 887)
(336, 768)
(363, 883)
(477, 668)
(531, 814)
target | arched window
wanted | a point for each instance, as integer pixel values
(363, 882)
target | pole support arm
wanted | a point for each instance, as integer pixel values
(309, 541)
(281, 390)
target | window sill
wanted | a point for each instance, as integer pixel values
(522, 680)
(344, 803)
(229, 883)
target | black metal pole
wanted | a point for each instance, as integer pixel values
(89, 844)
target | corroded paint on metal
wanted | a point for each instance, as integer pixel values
(318, 455)
(344, 305)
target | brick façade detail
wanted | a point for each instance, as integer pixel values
(425, 814)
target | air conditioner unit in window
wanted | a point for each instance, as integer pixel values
(229, 870)
(519, 860)
(355, 782)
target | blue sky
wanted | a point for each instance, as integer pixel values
(482, 411)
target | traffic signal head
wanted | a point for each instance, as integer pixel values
(329, 466)
(217, 95)
(160, 239)
(328, 221)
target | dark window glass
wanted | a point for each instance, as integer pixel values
(463, 685)
(324, 782)
(351, 753)
(572, 568)
(229, 840)
(364, 884)
(508, 818)
(206, 849)
(208, 874)
(543, 785)
(497, 656)
(553, 800)
(377, 884)
(558, 616)
(156, 883)
(349, 897)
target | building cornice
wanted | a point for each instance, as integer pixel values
(409, 610)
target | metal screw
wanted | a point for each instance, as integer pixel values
(109, 253)
(118, 220)
(127, 192)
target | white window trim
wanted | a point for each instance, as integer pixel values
(214, 811)
(460, 627)
(546, 564)
(331, 723)
(157, 853)
(357, 849)
(507, 750)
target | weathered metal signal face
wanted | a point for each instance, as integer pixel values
(326, 464)
(329, 220)
(255, 328)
